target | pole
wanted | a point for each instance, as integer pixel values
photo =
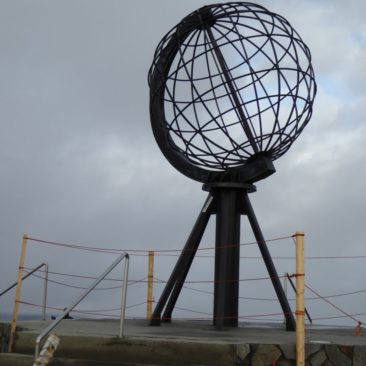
(285, 289)
(124, 296)
(227, 254)
(44, 307)
(285, 277)
(17, 292)
(300, 308)
(150, 284)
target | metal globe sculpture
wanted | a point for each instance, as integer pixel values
(231, 88)
(231, 84)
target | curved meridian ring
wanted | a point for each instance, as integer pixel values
(231, 88)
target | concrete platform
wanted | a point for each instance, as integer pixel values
(194, 343)
(199, 331)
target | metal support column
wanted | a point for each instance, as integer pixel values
(227, 255)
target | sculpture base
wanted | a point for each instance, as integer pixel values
(228, 201)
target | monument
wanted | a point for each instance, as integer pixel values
(231, 88)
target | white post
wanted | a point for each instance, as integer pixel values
(48, 350)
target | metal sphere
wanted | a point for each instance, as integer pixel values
(231, 83)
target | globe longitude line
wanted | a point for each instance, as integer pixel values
(225, 71)
(188, 150)
(181, 113)
(199, 131)
(174, 90)
(229, 94)
(224, 126)
(234, 144)
(276, 124)
(179, 131)
(252, 73)
(295, 59)
(258, 79)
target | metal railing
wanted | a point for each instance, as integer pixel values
(58, 320)
(44, 306)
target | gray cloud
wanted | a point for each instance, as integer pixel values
(79, 164)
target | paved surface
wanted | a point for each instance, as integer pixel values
(202, 332)
(184, 343)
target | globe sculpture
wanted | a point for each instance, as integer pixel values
(231, 88)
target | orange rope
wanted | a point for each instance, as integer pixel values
(333, 305)
(116, 251)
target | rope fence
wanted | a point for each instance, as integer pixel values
(160, 281)
(101, 312)
(56, 278)
(167, 252)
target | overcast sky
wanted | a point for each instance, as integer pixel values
(79, 163)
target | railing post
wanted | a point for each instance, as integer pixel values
(124, 297)
(45, 291)
(300, 307)
(17, 292)
(285, 284)
(150, 284)
(285, 291)
(86, 293)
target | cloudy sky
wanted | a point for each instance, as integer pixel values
(79, 163)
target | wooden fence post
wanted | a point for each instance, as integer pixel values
(300, 307)
(150, 284)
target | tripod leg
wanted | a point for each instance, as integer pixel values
(290, 321)
(175, 283)
(187, 259)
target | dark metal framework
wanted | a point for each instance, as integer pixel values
(231, 88)
(229, 83)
